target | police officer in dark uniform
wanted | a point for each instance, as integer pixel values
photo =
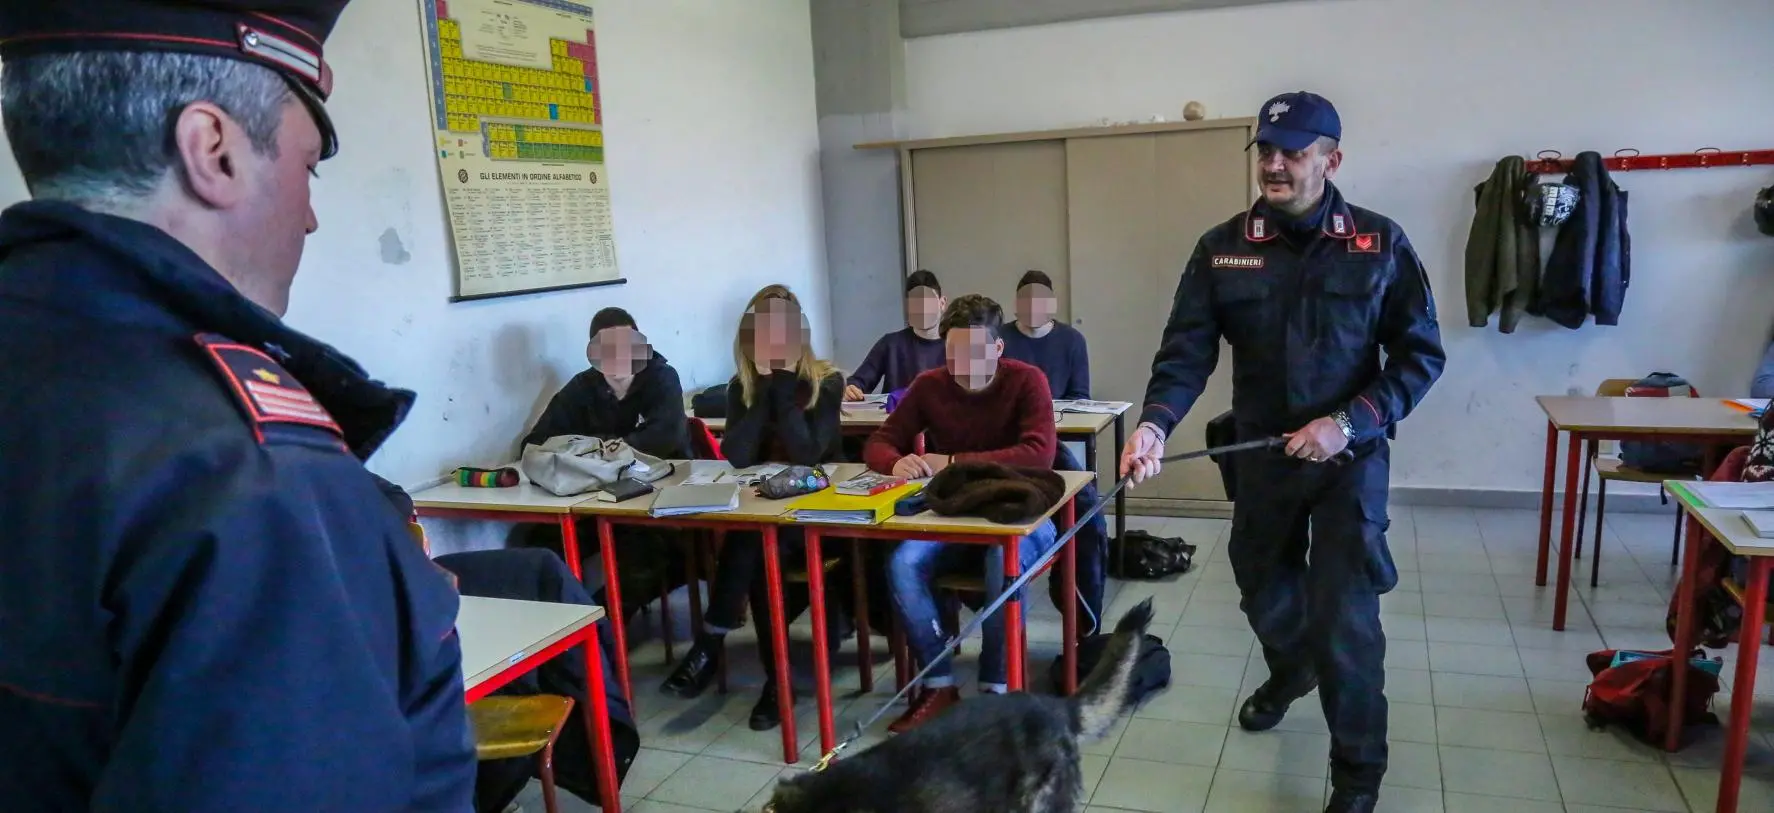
(206, 601)
(1308, 290)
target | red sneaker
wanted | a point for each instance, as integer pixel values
(926, 704)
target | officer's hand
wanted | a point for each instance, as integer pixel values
(911, 467)
(1317, 441)
(852, 392)
(1141, 457)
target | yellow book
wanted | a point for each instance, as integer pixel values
(828, 507)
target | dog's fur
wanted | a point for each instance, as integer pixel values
(1013, 753)
(995, 491)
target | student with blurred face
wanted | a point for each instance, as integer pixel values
(900, 356)
(1037, 338)
(630, 392)
(981, 407)
(782, 407)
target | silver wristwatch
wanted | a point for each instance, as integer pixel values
(1341, 416)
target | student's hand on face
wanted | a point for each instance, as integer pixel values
(911, 467)
(853, 393)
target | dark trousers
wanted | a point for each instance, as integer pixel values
(537, 575)
(739, 576)
(1308, 549)
(644, 557)
(1092, 543)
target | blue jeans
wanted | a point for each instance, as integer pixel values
(912, 574)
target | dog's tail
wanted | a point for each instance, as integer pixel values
(1104, 693)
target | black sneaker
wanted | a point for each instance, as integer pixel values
(698, 668)
(1268, 704)
(1352, 801)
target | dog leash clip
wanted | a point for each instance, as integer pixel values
(830, 756)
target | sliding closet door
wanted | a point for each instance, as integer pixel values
(986, 213)
(1136, 205)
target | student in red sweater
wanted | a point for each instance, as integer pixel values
(980, 406)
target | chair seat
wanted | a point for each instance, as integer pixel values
(971, 584)
(800, 576)
(508, 727)
(1610, 468)
(1735, 590)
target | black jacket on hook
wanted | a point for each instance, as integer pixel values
(1590, 265)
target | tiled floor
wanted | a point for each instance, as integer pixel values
(1485, 697)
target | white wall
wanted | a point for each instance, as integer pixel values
(713, 146)
(1431, 96)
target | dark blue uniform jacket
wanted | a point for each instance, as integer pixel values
(1307, 312)
(206, 602)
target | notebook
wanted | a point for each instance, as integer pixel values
(1734, 495)
(1761, 522)
(678, 500)
(830, 507)
(1091, 407)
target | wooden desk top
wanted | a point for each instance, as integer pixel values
(1726, 524)
(525, 498)
(497, 633)
(1583, 413)
(1065, 423)
(930, 522)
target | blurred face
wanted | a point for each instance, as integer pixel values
(618, 352)
(776, 333)
(275, 216)
(1035, 305)
(923, 308)
(1293, 180)
(972, 356)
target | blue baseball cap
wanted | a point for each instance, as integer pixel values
(1292, 121)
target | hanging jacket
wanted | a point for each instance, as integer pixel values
(1502, 250)
(1589, 268)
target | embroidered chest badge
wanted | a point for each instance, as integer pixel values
(1236, 261)
(1368, 243)
(267, 392)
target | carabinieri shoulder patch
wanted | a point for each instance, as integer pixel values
(267, 392)
(1237, 261)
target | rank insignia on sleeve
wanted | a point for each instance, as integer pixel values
(1365, 243)
(267, 392)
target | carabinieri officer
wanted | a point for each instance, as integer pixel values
(206, 602)
(1308, 290)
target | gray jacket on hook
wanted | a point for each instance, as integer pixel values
(1590, 265)
(1502, 250)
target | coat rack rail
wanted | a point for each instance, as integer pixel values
(1551, 162)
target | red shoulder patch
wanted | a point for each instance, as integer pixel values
(266, 391)
(1365, 243)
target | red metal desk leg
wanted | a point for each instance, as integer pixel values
(606, 539)
(785, 698)
(597, 723)
(1068, 569)
(1013, 615)
(1743, 687)
(1546, 502)
(1567, 532)
(822, 668)
(1683, 638)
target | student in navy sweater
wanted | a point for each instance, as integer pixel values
(1037, 338)
(782, 407)
(900, 356)
(977, 407)
(1059, 351)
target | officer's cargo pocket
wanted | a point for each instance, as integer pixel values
(1382, 572)
(1350, 308)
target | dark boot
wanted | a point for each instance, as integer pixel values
(1268, 704)
(766, 714)
(1352, 801)
(698, 668)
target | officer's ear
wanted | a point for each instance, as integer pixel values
(1333, 156)
(211, 147)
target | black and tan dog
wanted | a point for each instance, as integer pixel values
(1013, 753)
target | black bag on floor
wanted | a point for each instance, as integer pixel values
(1150, 674)
(1140, 555)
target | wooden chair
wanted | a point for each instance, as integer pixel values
(1612, 468)
(507, 727)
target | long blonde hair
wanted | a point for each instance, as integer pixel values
(810, 368)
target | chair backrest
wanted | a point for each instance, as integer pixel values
(1614, 387)
(703, 445)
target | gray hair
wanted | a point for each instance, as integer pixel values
(95, 128)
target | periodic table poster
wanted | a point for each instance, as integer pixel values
(520, 144)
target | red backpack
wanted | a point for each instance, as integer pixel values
(1635, 694)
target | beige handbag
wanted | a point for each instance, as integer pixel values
(567, 465)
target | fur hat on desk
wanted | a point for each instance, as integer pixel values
(994, 491)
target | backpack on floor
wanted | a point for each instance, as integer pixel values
(1659, 456)
(1635, 693)
(1143, 556)
(1150, 674)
